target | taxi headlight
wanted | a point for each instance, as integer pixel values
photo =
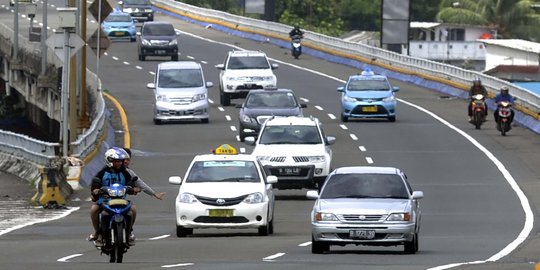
(349, 99)
(187, 198)
(389, 99)
(399, 217)
(317, 159)
(319, 216)
(148, 10)
(254, 198)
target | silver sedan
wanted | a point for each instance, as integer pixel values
(365, 205)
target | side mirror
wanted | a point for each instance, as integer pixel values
(249, 140)
(138, 33)
(120, 2)
(417, 195)
(177, 32)
(220, 66)
(312, 194)
(271, 179)
(275, 66)
(341, 89)
(330, 140)
(395, 88)
(209, 84)
(151, 85)
(175, 180)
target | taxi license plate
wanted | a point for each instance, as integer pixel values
(369, 109)
(119, 34)
(289, 171)
(221, 213)
(362, 234)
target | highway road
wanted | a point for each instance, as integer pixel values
(472, 210)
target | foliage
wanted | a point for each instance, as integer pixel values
(315, 15)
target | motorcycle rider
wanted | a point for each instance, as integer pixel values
(503, 95)
(296, 32)
(476, 88)
(114, 172)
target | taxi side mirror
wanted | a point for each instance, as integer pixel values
(175, 180)
(271, 179)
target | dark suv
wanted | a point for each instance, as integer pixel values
(140, 10)
(158, 39)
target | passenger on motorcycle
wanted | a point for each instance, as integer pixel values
(503, 95)
(114, 172)
(476, 88)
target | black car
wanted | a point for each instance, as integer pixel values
(263, 104)
(140, 10)
(158, 39)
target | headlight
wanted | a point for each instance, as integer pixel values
(325, 217)
(198, 97)
(187, 198)
(173, 42)
(246, 118)
(254, 198)
(267, 78)
(148, 10)
(162, 98)
(116, 192)
(349, 99)
(399, 217)
(389, 99)
(146, 42)
(232, 79)
(128, 10)
(317, 159)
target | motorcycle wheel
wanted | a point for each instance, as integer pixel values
(478, 119)
(504, 128)
(119, 242)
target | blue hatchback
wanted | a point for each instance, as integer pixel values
(120, 25)
(367, 95)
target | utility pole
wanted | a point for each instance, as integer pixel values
(43, 38)
(74, 87)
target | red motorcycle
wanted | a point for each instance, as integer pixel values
(479, 109)
(504, 117)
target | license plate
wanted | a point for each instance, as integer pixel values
(362, 234)
(160, 52)
(249, 85)
(119, 34)
(221, 212)
(289, 171)
(369, 109)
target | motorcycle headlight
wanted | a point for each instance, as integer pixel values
(399, 217)
(116, 192)
(146, 42)
(173, 42)
(389, 99)
(198, 97)
(162, 98)
(317, 159)
(319, 216)
(187, 198)
(254, 198)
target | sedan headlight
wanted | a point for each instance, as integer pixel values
(146, 42)
(319, 216)
(317, 159)
(198, 97)
(254, 198)
(162, 98)
(173, 42)
(267, 78)
(399, 217)
(389, 99)
(187, 198)
(245, 118)
(349, 99)
(148, 10)
(128, 10)
(232, 79)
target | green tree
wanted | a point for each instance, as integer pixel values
(315, 15)
(362, 15)
(424, 10)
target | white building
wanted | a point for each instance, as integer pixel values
(511, 52)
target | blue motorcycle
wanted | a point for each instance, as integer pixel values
(115, 222)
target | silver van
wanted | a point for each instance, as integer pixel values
(181, 92)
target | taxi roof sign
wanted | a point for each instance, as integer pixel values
(225, 149)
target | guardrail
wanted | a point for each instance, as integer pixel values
(528, 102)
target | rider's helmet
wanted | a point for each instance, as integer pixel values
(296, 27)
(115, 153)
(505, 90)
(477, 81)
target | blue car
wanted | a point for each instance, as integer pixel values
(367, 95)
(120, 25)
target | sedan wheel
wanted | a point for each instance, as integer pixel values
(411, 247)
(344, 118)
(318, 247)
(183, 232)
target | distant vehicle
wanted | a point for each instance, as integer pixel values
(120, 25)
(12, 2)
(367, 95)
(263, 104)
(158, 39)
(140, 10)
(181, 92)
(224, 190)
(244, 71)
(295, 149)
(363, 205)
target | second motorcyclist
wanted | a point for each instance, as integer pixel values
(503, 95)
(476, 88)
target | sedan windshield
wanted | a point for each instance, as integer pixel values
(360, 185)
(223, 171)
(368, 85)
(271, 100)
(180, 78)
(248, 62)
(290, 135)
(159, 30)
(137, 2)
(118, 18)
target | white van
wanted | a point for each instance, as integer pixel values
(181, 92)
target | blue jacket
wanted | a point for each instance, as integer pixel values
(499, 97)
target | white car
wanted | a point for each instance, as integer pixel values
(244, 71)
(295, 149)
(224, 190)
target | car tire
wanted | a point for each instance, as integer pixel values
(241, 134)
(133, 39)
(142, 57)
(344, 118)
(224, 99)
(174, 58)
(392, 118)
(264, 230)
(157, 122)
(318, 247)
(182, 231)
(411, 247)
(204, 121)
(271, 227)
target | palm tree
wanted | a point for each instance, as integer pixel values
(512, 18)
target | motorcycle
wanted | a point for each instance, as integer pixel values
(296, 46)
(478, 110)
(115, 222)
(504, 115)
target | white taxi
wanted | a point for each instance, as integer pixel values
(224, 190)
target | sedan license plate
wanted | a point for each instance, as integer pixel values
(221, 212)
(160, 51)
(369, 109)
(362, 234)
(289, 171)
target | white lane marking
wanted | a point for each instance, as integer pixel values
(159, 237)
(228, 117)
(221, 109)
(343, 126)
(138, 67)
(14, 220)
(204, 62)
(529, 218)
(106, 53)
(319, 108)
(238, 137)
(152, 72)
(354, 137)
(65, 259)
(369, 160)
(305, 244)
(191, 57)
(210, 101)
(233, 128)
(115, 58)
(304, 99)
(242, 150)
(176, 265)
(362, 148)
(331, 116)
(277, 255)
(126, 63)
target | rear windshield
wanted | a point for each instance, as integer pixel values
(159, 30)
(248, 62)
(271, 100)
(180, 78)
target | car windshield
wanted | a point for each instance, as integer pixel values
(271, 100)
(248, 62)
(119, 18)
(364, 185)
(137, 2)
(180, 78)
(368, 85)
(223, 171)
(159, 30)
(290, 134)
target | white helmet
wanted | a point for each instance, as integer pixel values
(115, 153)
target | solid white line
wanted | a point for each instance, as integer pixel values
(228, 117)
(331, 116)
(343, 126)
(369, 160)
(277, 255)
(362, 148)
(354, 137)
(159, 237)
(176, 265)
(65, 259)
(305, 244)
(62, 214)
(319, 108)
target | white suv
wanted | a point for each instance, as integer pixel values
(244, 71)
(295, 149)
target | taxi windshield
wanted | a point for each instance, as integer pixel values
(368, 85)
(223, 171)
